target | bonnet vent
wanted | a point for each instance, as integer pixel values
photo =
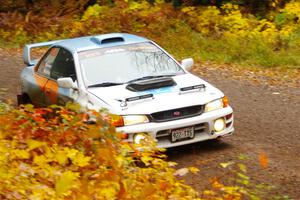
(100, 40)
(150, 84)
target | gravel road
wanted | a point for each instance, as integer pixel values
(267, 119)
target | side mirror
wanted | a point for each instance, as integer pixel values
(187, 63)
(66, 82)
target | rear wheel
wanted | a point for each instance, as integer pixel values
(23, 99)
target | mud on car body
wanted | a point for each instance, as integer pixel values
(135, 79)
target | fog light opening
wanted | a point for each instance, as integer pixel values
(219, 125)
(139, 137)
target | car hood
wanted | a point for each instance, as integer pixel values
(165, 98)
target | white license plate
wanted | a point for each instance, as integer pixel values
(182, 133)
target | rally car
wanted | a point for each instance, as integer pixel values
(133, 78)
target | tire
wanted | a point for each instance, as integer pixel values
(23, 99)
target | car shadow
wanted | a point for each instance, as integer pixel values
(205, 147)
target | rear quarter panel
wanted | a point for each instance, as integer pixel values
(33, 85)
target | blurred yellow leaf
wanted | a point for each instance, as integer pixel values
(65, 182)
(209, 192)
(40, 160)
(216, 183)
(225, 165)
(21, 154)
(242, 167)
(243, 176)
(194, 169)
(146, 160)
(32, 144)
(61, 157)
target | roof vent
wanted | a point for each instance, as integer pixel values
(100, 40)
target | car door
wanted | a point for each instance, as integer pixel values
(62, 67)
(41, 77)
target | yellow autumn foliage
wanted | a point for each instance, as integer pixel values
(229, 21)
(52, 153)
(228, 33)
(58, 156)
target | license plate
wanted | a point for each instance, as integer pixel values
(182, 133)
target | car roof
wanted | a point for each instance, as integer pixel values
(99, 41)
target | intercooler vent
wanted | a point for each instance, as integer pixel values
(150, 84)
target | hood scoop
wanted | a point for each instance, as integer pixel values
(151, 84)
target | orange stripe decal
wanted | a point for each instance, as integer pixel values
(41, 81)
(52, 91)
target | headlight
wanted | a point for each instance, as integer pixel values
(135, 119)
(217, 104)
(214, 105)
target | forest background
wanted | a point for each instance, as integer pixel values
(261, 33)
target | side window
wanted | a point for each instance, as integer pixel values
(63, 65)
(47, 62)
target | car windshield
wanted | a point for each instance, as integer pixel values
(122, 64)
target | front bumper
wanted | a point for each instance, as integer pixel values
(203, 128)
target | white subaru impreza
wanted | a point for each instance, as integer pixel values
(135, 79)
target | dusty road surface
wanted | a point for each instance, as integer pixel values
(267, 120)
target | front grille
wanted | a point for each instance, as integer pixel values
(178, 113)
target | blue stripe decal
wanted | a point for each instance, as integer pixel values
(63, 91)
(160, 90)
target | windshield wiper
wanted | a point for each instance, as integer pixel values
(150, 77)
(105, 84)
